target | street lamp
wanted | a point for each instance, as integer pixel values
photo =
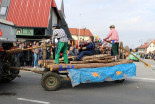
(84, 33)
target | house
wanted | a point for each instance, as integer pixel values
(142, 48)
(80, 34)
(33, 18)
(151, 47)
(7, 32)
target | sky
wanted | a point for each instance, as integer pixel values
(134, 19)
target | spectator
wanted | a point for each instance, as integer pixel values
(36, 55)
(49, 51)
(33, 45)
(30, 44)
(28, 57)
(69, 45)
(41, 52)
(73, 51)
(21, 55)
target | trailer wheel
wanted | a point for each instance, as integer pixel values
(120, 81)
(50, 81)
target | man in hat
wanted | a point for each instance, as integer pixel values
(114, 38)
(60, 34)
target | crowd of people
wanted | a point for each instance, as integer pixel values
(64, 48)
(150, 55)
(30, 58)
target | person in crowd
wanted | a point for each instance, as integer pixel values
(69, 45)
(51, 57)
(88, 50)
(18, 43)
(36, 55)
(114, 38)
(72, 51)
(21, 56)
(62, 44)
(54, 51)
(41, 52)
(33, 45)
(28, 57)
(49, 51)
(30, 44)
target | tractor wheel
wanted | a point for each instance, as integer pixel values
(10, 77)
(120, 81)
(51, 81)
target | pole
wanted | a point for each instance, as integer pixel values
(44, 53)
(79, 29)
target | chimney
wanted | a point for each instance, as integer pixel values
(145, 44)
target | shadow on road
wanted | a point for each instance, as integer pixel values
(67, 85)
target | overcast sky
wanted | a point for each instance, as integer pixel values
(134, 19)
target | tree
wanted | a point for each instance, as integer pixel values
(127, 48)
(149, 41)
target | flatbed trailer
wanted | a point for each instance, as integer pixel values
(51, 77)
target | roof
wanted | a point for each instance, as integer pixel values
(83, 32)
(54, 4)
(2, 21)
(142, 46)
(30, 13)
(152, 42)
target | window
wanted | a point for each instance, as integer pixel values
(3, 10)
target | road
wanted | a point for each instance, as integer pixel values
(27, 90)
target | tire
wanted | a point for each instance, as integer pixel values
(51, 81)
(11, 77)
(7, 80)
(120, 81)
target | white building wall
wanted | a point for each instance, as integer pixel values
(75, 37)
(151, 48)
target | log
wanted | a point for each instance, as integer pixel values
(70, 58)
(38, 70)
(48, 62)
(95, 56)
(99, 61)
(14, 51)
(92, 61)
(101, 58)
(77, 62)
(88, 65)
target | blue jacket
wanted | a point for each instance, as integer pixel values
(91, 47)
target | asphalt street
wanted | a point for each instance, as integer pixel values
(137, 90)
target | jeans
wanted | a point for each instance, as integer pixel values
(36, 56)
(84, 53)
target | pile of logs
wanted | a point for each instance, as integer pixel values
(53, 67)
(102, 58)
(94, 61)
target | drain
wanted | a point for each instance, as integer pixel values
(7, 94)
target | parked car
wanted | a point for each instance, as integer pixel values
(131, 57)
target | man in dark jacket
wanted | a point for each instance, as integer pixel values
(88, 50)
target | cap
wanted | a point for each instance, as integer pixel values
(112, 26)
